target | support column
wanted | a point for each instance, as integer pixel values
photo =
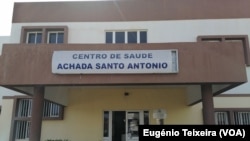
(207, 104)
(37, 114)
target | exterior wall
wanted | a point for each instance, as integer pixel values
(3, 40)
(83, 117)
(230, 68)
(158, 31)
(5, 119)
(87, 121)
(7, 92)
(129, 10)
(4, 91)
(242, 89)
(84, 113)
(230, 102)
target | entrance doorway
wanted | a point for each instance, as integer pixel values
(123, 125)
(118, 126)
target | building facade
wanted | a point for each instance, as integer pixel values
(95, 70)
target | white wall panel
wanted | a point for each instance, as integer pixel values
(158, 31)
(242, 89)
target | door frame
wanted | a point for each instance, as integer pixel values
(110, 126)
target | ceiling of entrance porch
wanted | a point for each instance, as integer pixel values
(59, 94)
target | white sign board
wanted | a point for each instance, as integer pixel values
(159, 114)
(115, 62)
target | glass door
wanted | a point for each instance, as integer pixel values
(123, 125)
(133, 120)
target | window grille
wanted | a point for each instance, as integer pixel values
(221, 118)
(242, 118)
(23, 114)
(22, 129)
(51, 109)
(24, 108)
(232, 116)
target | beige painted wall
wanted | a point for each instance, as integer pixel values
(232, 102)
(5, 119)
(84, 114)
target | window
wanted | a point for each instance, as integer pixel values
(126, 37)
(55, 37)
(242, 118)
(24, 108)
(232, 116)
(109, 37)
(146, 117)
(143, 37)
(119, 37)
(22, 129)
(23, 115)
(34, 37)
(113, 120)
(132, 37)
(221, 118)
(230, 38)
(106, 124)
(49, 35)
(51, 110)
